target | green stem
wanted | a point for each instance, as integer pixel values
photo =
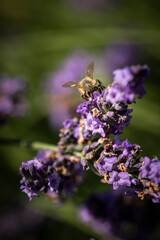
(93, 168)
(39, 146)
(101, 145)
(33, 145)
(78, 154)
(28, 144)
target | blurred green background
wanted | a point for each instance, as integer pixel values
(36, 36)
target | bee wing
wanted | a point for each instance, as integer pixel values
(70, 84)
(89, 70)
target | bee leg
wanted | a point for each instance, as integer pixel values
(100, 86)
(91, 91)
(98, 82)
(84, 96)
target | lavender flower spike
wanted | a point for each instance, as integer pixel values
(85, 143)
(51, 172)
(13, 101)
(110, 213)
(38, 176)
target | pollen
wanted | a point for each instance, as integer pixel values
(141, 195)
(105, 179)
(122, 167)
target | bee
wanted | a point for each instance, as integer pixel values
(87, 85)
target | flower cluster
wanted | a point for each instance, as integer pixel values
(117, 161)
(150, 177)
(12, 98)
(130, 81)
(49, 173)
(108, 113)
(109, 213)
(69, 134)
(101, 117)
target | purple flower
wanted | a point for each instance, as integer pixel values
(127, 149)
(145, 169)
(108, 113)
(127, 83)
(53, 182)
(83, 108)
(38, 175)
(94, 125)
(119, 163)
(45, 156)
(6, 107)
(12, 98)
(51, 172)
(154, 174)
(151, 170)
(123, 77)
(106, 163)
(118, 179)
(114, 95)
(68, 123)
(109, 214)
(72, 124)
(30, 192)
(130, 81)
(11, 86)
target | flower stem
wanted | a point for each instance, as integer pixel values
(28, 144)
(33, 145)
(93, 168)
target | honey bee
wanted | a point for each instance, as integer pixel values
(87, 85)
